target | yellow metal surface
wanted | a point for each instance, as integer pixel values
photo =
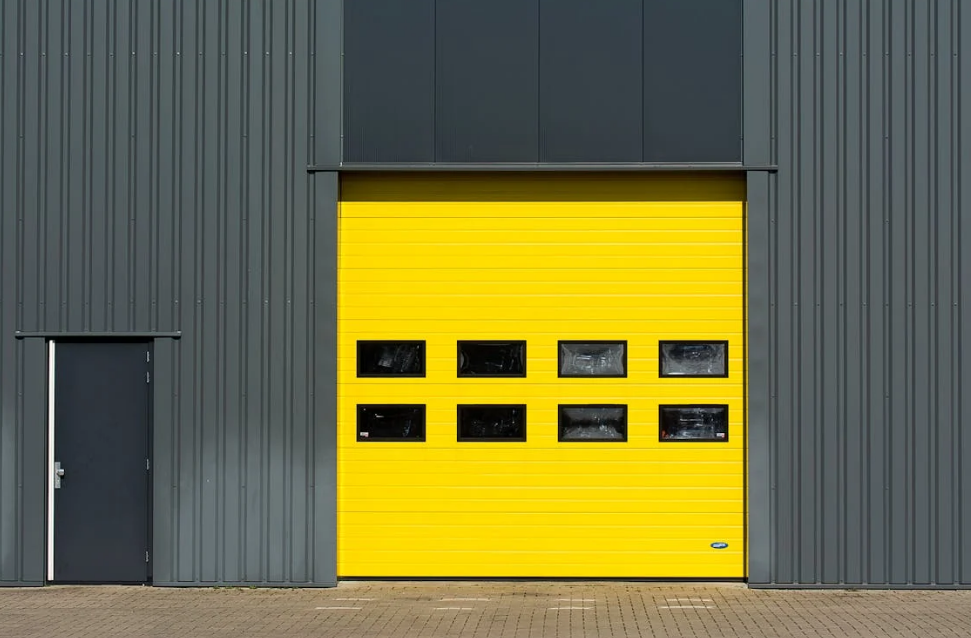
(541, 258)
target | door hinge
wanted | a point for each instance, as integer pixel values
(146, 556)
(148, 357)
(148, 465)
(148, 377)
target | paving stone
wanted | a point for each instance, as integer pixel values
(527, 609)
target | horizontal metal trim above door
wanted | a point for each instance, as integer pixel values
(97, 335)
(536, 167)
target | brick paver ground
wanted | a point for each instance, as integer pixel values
(481, 609)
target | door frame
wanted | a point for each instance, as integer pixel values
(51, 431)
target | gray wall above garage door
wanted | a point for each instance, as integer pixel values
(549, 81)
(859, 279)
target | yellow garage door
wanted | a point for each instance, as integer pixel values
(541, 376)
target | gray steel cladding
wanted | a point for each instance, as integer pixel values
(153, 179)
(859, 327)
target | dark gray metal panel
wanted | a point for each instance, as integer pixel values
(762, 447)
(591, 80)
(23, 376)
(389, 81)
(487, 72)
(692, 80)
(759, 61)
(322, 371)
(154, 181)
(858, 328)
(325, 70)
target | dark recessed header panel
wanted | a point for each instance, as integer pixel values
(542, 81)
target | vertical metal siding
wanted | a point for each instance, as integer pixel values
(154, 179)
(859, 326)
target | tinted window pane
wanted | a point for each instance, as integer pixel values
(694, 358)
(391, 423)
(593, 423)
(694, 423)
(492, 358)
(492, 423)
(593, 359)
(391, 358)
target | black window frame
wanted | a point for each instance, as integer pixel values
(660, 358)
(605, 342)
(378, 375)
(559, 422)
(370, 439)
(686, 406)
(458, 423)
(458, 358)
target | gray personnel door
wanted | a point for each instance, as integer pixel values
(101, 462)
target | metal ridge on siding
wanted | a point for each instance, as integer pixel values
(538, 166)
(859, 327)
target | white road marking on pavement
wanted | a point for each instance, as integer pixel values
(688, 599)
(455, 600)
(348, 608)
(453, 609)
(560, 608)
(686, 607)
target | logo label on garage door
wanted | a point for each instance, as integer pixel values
(719, 545)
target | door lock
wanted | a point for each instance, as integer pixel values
(58, 474)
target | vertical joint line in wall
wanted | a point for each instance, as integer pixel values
(434, 80)
(539, 80)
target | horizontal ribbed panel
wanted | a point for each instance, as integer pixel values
(540, 259)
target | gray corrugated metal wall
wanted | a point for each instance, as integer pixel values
(154, 178)
(860, 332)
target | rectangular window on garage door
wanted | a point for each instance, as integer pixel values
(390, 358)
(693, 423)
(693, 358)
(400, 422)
(593, 423)
(592, 358)
(492, 358)
(492, 423)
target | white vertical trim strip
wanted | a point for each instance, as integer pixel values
(50, 461)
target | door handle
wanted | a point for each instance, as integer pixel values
(58, 474)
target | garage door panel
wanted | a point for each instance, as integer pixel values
(601, 211)
(475, 298)
(365, 292)
(507, 476)
(537, 275)
(495, 506)
(551, 520)
(659, 234)
(541, 259)
(554, 567)
(595, 249)
(642, 410)
(510, 312)
(420, 261)
(406, 228)
(673, 557)
(603, 328)
(478, 454)
(500, 540)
